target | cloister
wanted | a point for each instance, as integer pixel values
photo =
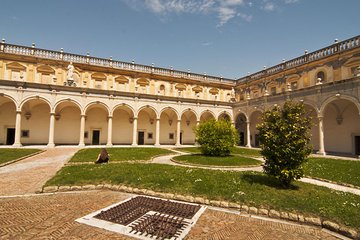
(56, 98)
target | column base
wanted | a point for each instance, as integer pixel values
(50, 145)
(248, 146)
(109, 144)
(81, 145)
(17, 145)
(134, 144)
(157, 144)
(178, 144)
(321, 153)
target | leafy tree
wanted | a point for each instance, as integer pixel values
(284, 136)
(216, 138)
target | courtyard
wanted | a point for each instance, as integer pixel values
(73, 186)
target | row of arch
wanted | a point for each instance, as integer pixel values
(336, 125)
(67, 122)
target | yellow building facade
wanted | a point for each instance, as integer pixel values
(58, 98)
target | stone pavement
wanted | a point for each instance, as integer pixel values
(53, 216)
(29, 175)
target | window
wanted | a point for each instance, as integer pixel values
(150, 135)
(25, 133)
(320, 75)
(273, 90)
(171, 135)
(294, 85)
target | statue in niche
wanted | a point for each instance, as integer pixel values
(70, 76)
(232, 93)
(70, 72)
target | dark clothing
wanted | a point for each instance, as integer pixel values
(103, 156)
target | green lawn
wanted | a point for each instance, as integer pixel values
(119, 154)
(236, 150)
(252, 188)
(232, 160)
(9, 154)
(337, 170)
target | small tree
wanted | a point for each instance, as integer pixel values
(216, 138)
(284, 135)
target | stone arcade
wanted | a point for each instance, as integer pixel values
(58, 98)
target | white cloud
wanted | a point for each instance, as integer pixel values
(291, 1)
(269, 6)
(224, 10)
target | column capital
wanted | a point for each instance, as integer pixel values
(18, 111)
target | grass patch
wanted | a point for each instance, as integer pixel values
(10, 154)
(119, 154)
(251, 188)
(232, 160)
(236, 150)
(337, 170)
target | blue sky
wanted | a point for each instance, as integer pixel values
(220, 37)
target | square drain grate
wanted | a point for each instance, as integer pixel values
(147, 218)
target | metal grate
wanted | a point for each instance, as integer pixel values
(151, 217)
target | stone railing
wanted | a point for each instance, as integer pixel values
(87, 59)
(306, 58)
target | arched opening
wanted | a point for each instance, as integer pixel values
(122, 131)
(207, 115)
(96, 124)
(35, 122)
(168, 126)
(146, 129)
(224, 116)
(341, 127)
(240, 125)
(255, 119)
(7, 121)
(312, 113)
(67, 123)
(188, 123)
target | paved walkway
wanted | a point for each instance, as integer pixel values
(29, 175)
(53, 217)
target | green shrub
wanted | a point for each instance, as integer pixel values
(284, 136)
(216, 138)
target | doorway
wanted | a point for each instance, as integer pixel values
(141, 136)
(96, 137)
(357, 145)
(10, 136)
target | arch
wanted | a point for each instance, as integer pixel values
(95, 103)
(241, 113)
(224, 112)
(190, 110)
(208, 111)
(122, 105)
(170, 108)
(254, 111)
(241, 127)
(32, 98)
(333, 98)
(67, 100)
(11, 98)
(147, 106)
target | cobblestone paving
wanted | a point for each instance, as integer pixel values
(29, 175)
(53, 217)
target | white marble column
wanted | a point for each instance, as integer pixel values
(82, 131)
(157, 136)
(134, 143)
(51, 143)
(248, 134)
(17, 142)
(321, 137)
(109, 136)
(178, 131)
